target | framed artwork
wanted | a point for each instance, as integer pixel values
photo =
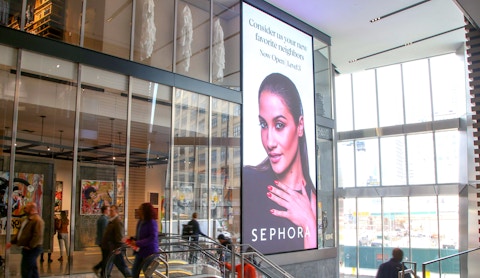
(58, 195)
(27, 187)
(95, 194)
(153, 198)
(120, 187)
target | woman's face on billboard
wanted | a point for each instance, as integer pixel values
(279, 132)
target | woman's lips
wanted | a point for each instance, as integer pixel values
(274, 158)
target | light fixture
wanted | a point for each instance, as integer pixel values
(397, 11)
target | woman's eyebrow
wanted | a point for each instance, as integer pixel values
(280, 117)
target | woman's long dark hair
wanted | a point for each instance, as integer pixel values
(281, 86)
(148, 211)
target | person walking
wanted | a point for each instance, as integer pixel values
(63, 241)
(226, 253)
(194, 237)
(112, 241)
(30, 239)
(145, 242)
(391, 268)
(102, 223)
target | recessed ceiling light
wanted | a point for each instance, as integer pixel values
(398, 11)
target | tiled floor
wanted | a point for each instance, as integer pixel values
(83, 261)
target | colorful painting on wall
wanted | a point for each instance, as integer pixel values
(95, 194)
(27, 187)
(58, 195)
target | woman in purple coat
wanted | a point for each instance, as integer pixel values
(146, 241)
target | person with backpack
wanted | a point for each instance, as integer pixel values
(193, 232)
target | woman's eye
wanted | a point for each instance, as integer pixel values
(279, 125)
(263, 124)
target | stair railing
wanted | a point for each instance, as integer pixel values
(425, 264)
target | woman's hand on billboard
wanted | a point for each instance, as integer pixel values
(300, 209)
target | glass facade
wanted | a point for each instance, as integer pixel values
(199, 39)
(413, 157)
(148, 109)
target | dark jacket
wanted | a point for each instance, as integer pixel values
(196, 229)
(390, 269)
(112, 238)
(147, 238)
(32, 233)
(102, 223)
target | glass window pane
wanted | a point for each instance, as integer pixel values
(448, 150)
(393, 160)
(72, 19)
(448, 216)
(369, 233)
(364, 99)
(347, 235)
(149, 146)
(390, 95)
(224, 193)
(323, 97)
(449, 222)
(154, 25)
(346, 164)
(7, 87)
(421, 167)
(448, 86)
(325, 186)
(226, 44)
(45, 138)
(395, 223)
(424, 223)
(416, 82)
(14, 14)
(343, 92)
(367, 163)
(193, 39)
(190, 158)
(108, 27)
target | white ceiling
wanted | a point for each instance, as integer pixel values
(347, 22)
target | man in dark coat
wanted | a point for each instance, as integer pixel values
(391, 268)
(102, 223)
(112, 240)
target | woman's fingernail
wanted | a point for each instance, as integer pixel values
(269, 188)
(269, 195)
(272, 211)
(276, 182)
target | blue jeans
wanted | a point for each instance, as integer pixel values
(118, 261)
(28, 265)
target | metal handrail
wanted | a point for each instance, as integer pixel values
(424, 265)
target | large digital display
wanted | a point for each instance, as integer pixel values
(278, 176)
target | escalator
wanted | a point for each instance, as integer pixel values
(182, 258)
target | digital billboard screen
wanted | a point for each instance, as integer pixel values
(278, 175)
